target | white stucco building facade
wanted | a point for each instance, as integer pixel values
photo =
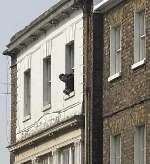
(62, 106)
(49, 110)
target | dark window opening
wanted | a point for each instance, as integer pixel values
(68, 77)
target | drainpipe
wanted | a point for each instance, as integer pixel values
(93, 84)
(88, 67)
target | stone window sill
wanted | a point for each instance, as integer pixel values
(115, 76)
(72, 94)
(46, 107)
(138, 64)
(27, 118)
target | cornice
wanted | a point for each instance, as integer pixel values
(40, 25)
(61, 128)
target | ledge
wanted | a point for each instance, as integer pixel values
(115, 76)
(46, 107)
(72, 94)
(27, 118)
(138, 64)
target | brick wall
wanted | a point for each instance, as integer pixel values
(126, 100)
(130, 87)
(13, 104)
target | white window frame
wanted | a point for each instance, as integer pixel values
(137, 144)
(115, 53)
(139, 58)
(113, 148)
(46, 83)
(71, 155)
(27, 95)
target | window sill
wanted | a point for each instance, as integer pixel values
(113, 77)
(46, 107)
(72, 94)
(26, 118)
(138, 64)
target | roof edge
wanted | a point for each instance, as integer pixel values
(20, 37)
(106, 5)
(37, 20)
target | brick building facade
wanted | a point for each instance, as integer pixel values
(13, 105)
(126, 93)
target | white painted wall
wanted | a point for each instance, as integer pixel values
(61, 109)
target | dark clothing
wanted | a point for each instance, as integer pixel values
(68, 79)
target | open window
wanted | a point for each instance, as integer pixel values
(69, 58)
(68, 77)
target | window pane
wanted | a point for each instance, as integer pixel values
(136, 39)
(65, 156)
(73, 155)
(118, 62)
(142, 34)
(70, 58)
(50, 160)
(118, 150)
(139, 145)
(139, 37)
(112, 150)
(27, 88)
(49, 81)
(115, 58)
(142, 48)
(117, 38)
(112, 52)
(115, 151)
(142, 23)
(46, 81)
